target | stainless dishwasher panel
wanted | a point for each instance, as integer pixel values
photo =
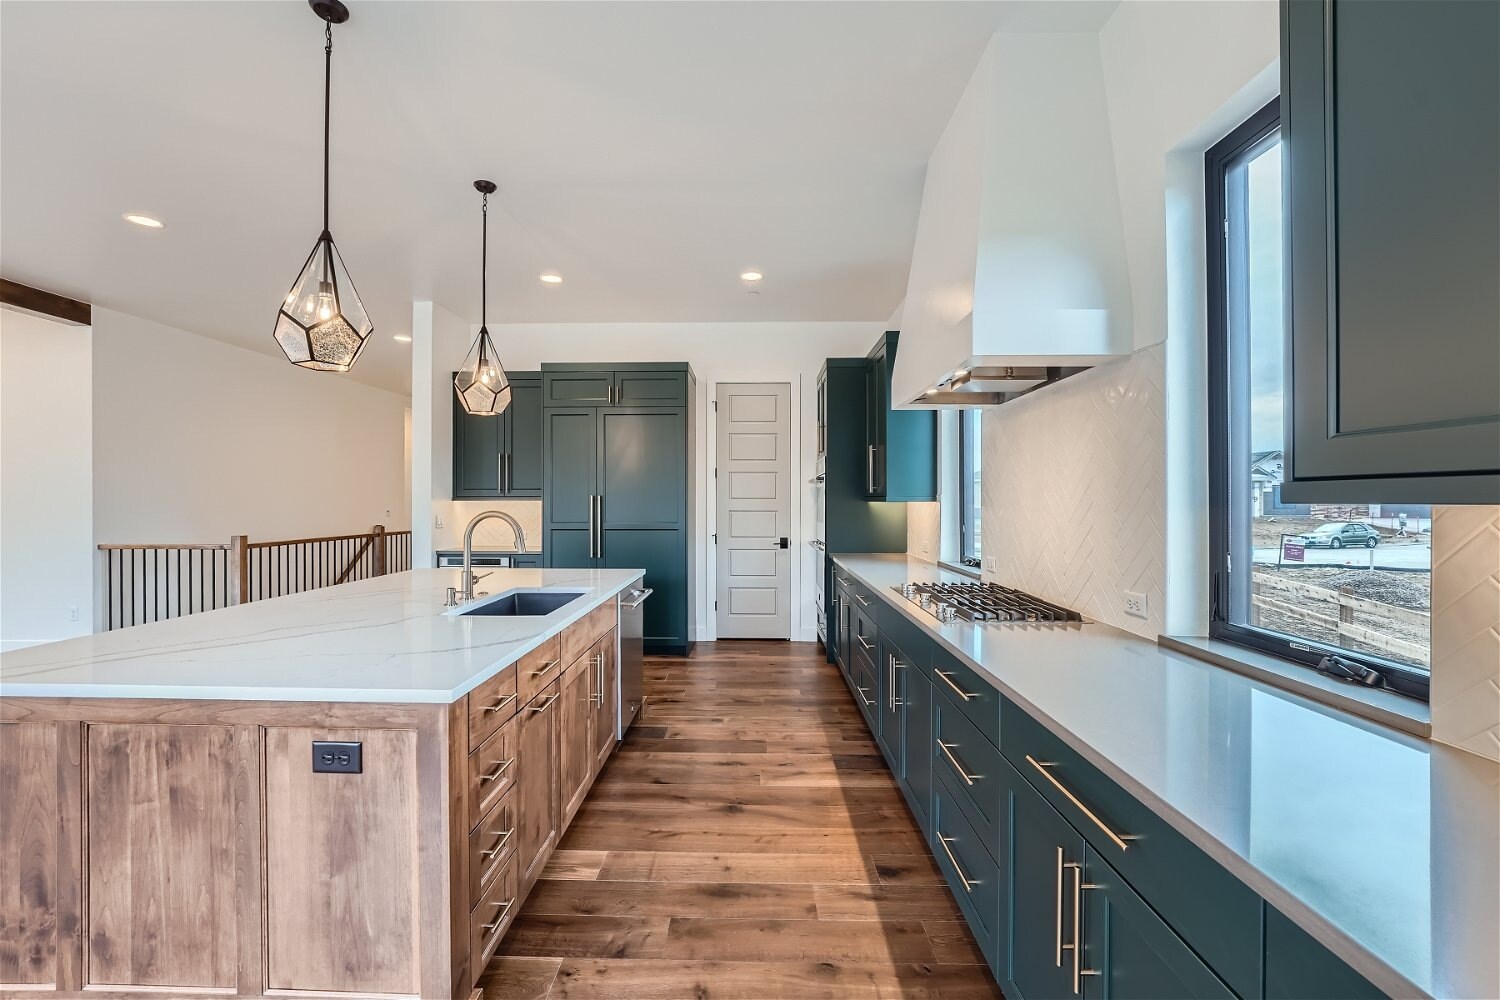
(632, 678)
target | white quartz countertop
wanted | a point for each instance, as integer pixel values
(1384, 847)
(387, 639)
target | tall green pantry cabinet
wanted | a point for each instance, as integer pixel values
(616, 493)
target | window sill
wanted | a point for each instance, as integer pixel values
(1384, 707)
(960, 569)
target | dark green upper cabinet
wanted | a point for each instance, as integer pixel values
(623, 384)
(500, 456)
(900, 456)
(1391, 118)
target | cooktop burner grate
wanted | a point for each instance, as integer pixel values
(984, 602)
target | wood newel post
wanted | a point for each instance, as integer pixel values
(377, 539)
(239, 570)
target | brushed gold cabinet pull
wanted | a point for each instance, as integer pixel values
(497, 706)
(864, 642)
(504, 837)
(495, 774)
(948, 680)
(504, 911)
(539, 671)
(1078, 886)
(861, 600)
(539, 709)
(1058, 959)
(1041, 766)
(969, 883)
(947, 749)
(868, 702)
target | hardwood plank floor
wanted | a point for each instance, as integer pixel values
(746, 842)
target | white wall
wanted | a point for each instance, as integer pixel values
(46, 496)
(196, 440)
(718, 352)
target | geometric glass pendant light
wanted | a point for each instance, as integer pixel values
(322, 324)
(481, 383)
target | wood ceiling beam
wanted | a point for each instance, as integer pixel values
(34, 300)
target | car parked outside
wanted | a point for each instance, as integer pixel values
(1339, 535)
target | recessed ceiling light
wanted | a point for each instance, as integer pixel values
(552, 279)
(144, 221)
(405, 338)
(751, 276)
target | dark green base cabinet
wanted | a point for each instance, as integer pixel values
(1071, 886)
(616, 484)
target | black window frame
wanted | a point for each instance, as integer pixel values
(968, 553)
(1238, 146)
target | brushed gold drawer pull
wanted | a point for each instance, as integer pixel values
(504, 838)
(499, 705)
(539, 709)
(865, 642)
(861, 600)
(867, 701)
(1077, 946)
(1041, 766)
(948, 680)
(489, 928)
(539, 671)
(1058, 960)
(969, 883)
(495, 774)
(947, 749)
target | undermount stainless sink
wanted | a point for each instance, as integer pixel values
(523, 604)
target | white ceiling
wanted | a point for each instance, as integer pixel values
(648, 152)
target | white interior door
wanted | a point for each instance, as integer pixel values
(753, 592)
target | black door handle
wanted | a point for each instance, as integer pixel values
(783, 543)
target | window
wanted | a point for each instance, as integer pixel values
(969, 496)
(1341, 587)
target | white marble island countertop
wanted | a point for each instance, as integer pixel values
(1384, 847)
(387, 639)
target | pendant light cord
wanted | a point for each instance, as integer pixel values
(327, 89)
(484, 262)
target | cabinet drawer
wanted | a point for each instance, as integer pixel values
(863, 634)
(866, 694)
(916, 647)
(579, 638)
(972, 694)
(492, 704)
(537, 669)
(494, 914)
(578, 388)
(1213, 911)
(966, 866)
(491, 846)
(492, 771)
(1299, 968)
(971, 765)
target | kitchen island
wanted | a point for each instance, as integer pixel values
(346, 791)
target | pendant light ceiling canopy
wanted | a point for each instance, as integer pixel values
(322, 324)
(481, 383)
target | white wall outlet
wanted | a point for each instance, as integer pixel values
(1135, 604)
(72, 612)
(989, 564)
(437, 521)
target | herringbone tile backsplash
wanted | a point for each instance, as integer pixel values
(1075, 491)
(1466, 628)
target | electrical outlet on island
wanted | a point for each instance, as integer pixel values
(1135, 604)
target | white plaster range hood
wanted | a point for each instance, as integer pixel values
(1018, 273)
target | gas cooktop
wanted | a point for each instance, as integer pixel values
(984, 602)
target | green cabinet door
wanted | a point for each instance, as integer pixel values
(478, 443)
(900, 456)
(650, 388)
(578, 388)
(1043, 855)
(1391, 119)
(1129, 953)
(1299, 968)
(523, 445)
(662, 553)
(570, 476)
(895, 669)
(919, 746)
